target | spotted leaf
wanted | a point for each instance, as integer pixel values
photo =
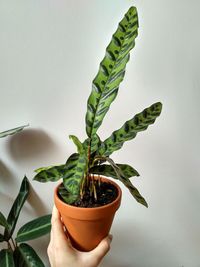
(121, 172)
(50, 174)
(77, 166)
(77, 142)
(111, 72)
(129, 130)
(107, 170)
(66, 196)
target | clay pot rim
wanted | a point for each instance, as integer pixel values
(113, 203)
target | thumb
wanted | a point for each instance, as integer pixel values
(104, 246)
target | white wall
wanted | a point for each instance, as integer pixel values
(49, 54)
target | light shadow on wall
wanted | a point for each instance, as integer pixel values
(6, 175)
(35, 201)
(30, 144)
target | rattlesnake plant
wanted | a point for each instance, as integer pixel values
(93, 155)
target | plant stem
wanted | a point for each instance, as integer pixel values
(9, 246)
(14, 245)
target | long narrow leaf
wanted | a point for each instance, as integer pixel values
(3, 221)
(129, 130)
(67, 197)
(94, 143)
(107, 170)
(122, 175)
(77, 142)
(34, 229)
(111, 72)
(25, 256)
(6, 258)
(76, 171)
(12, 131)
(134, 192)
(50, 174)
(16, 208)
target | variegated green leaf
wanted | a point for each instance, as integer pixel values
(6, 258)
(34, 229)
(16, 208)
(94, 143)
(107, 170)
(77, 142)
(66, 196)
(123, 177)
(73, 178)
(111, 72)
(129, 130)
(134, 191)
(25, 256)
(50, 174)
(12, 131)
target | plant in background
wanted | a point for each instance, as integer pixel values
(17, 253)
(93, 156)
(12, 131)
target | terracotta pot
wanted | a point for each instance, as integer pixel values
(86, 227)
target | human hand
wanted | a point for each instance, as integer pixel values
(62, 254)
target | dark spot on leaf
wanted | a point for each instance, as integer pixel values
(126, 128)
(116, 52)
(111, 55)
(136, 120)
(103, 82)
(145, 113)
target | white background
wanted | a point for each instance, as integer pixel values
(49, 54)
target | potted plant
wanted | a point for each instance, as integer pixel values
(87, 200)
(18, 253)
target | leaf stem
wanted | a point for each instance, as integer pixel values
(9, 246)
(13, 243)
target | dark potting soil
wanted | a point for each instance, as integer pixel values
(106, 193)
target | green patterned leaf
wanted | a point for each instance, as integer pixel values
(12, 131)
(77, 142)
(122, 173)
(16, 208)
(77, 167)
(25, 256)
(34, 229)
(3, 221)
(50, 174)
(111, 72)
(66, 196)
(6, 258)
(134, 191)
(107, 170)
(129, 130)
(93, 143)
